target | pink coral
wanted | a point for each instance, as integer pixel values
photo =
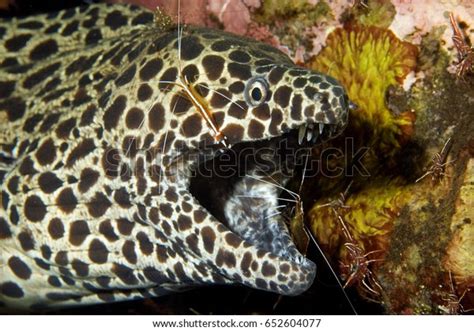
(233, 14)
(415, 18)
(191, 12)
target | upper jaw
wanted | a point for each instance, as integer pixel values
(316, 132)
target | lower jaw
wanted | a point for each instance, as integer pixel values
(219, 183)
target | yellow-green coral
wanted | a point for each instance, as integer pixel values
(403, 224)
(369, 218)
(296, 10)
(367, 60)
(459, 259)
(378, 13)
(290, 19)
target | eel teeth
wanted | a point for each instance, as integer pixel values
(321, 128)
(301, 133)
(309, 134)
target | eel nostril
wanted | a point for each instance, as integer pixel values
(353, 106)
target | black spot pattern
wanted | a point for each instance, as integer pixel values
(45, 252)
(53, 28)
(88, 116)
(98, 205)
(26, 241)
(14, 217)
(81, 268)
(282, 96)
(146, 246)
(237, 87)
(234, 132)
(239, 56)
(156, 117)
(34, 209)
(154, 275)
(108, 231)
(134, 118)
(110, 162)
(93, 36)
(40, 75)
(225, 257)
(85, 147)
(239, 71)
(49, 121)
(5, 198)
(11, 290)
(276, 75)
(44, 50)
(16, 43)
(78, 232)
(13, 184)
(56, 228)
(255, 129)
(125, 274)
(262, 112)
(88, 178)
(27, 167)
(168, 76)
(180, 104)
(114, 112)
(220, 98)
(142, 18)
(65, 128)
(144, 92)
(15, 108)
(46, 153)
(66, 200)
(150, 69)
(192, 125)
(122, 197)
(19, 268)
(98, 252)
(127, 76)
(54, 281)
(190, 48)
(221, 46)
(49, 182)
(209, 237)
(6, 88)
(124, 226)
(128, 251)
(70, 28)
(4, 229)
(184, 222)
(299, 82)
(296, 107)
(237, 110)
(115, 20)
(277, 119)
(213, 66)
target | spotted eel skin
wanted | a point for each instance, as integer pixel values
(98, 151)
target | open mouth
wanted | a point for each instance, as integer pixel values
(242, 186)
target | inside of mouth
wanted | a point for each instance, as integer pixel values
(242, 188)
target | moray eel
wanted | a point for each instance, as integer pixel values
(103, 158)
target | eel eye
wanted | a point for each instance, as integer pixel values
(256, 91)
